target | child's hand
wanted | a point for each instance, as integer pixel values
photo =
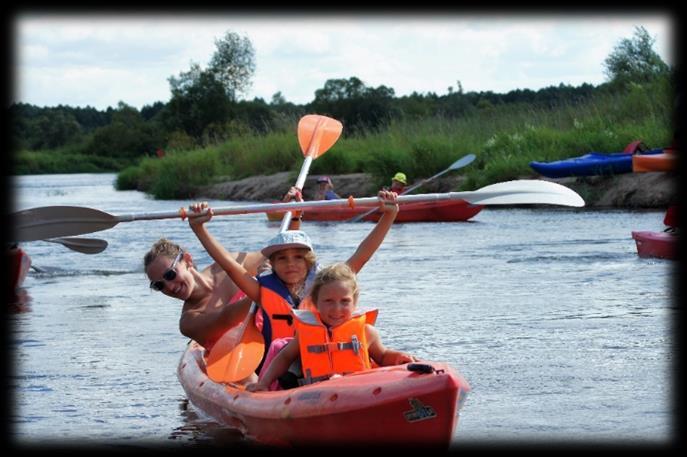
(294, 193)
(397, 358)
(388, 202)
(199, 214)
(256, 387)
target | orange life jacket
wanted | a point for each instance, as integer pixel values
(328, 351)
(276, 303)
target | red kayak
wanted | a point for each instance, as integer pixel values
(436, 211)
(19, 262)
(403, 404)
(656, 244)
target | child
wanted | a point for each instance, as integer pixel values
(335, 339)
(293, 263)
(325, 189)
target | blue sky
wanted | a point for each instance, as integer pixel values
(99, 60)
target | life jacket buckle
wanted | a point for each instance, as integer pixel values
(355, 343)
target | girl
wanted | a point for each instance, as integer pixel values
(293, 263)
(335, 339)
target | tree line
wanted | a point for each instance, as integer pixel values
(204, 107)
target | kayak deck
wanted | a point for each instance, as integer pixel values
(386, 405)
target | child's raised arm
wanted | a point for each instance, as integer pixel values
(247, 283)
(371, 243)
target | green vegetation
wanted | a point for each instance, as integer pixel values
(207, 135)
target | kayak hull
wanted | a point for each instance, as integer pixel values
(656, 244)
(386, 405)
(439, 211)
(591, 164)
(665, 161)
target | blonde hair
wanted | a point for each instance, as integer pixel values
(162, 247)
(335, 272)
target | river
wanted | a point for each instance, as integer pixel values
(563, 332)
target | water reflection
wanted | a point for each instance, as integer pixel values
(198, 430)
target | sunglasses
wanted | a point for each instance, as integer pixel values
(169, 275)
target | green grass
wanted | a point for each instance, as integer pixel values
(505, 138)
(51, 161)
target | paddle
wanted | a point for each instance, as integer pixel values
(460, 163)
(84, 245)
(238, 352)
(58, 221)
(316, 134)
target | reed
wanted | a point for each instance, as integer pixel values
(505, 138)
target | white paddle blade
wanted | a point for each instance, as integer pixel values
(525, 192)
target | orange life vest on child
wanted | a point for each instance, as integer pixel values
(327, 351)
(276, 309)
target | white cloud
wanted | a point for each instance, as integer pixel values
(100, 60)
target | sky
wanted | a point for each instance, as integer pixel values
(98, 60)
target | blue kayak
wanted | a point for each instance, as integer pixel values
(591, 164)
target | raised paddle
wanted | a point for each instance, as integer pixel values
(316, 134)
(83, 245)
(57, 221)
(460, 163)
(238, 352)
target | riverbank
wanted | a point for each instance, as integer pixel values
(631, 190)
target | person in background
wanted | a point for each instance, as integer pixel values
(398, 183)
(325, 189)
(336, 339)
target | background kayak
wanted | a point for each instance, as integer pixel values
(656, 244)
(665, 161)
(439, 211)
(591, 164)
(19, 264)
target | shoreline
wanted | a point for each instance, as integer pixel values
(629, 191)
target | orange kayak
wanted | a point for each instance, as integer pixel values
(665, 161)
(656, 244)
(437, 211)
(385, 405)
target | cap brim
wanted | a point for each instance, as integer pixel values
(269, 250)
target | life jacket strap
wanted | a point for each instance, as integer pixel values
(285, 317)
(309, 379)
(354, 345)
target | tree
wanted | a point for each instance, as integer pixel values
(198, 100)
(635, 60)
(233, 63)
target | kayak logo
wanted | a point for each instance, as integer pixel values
(419, 412)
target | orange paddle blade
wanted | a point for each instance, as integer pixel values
(236, 354)
(316, 134)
